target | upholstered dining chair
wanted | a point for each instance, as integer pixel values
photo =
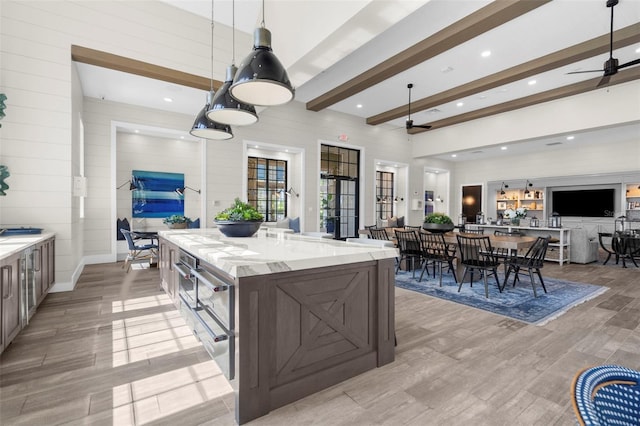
(476, 254)
(532, 261)
(410, 249)
(436, 251)
(606, 395)
(138, 252)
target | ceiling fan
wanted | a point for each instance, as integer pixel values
(611, 66)
(409, 122)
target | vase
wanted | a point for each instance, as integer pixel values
(244, 228)
(515, 221)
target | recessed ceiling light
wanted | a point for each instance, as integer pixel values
(359, 106)
(459, 104)
(256, 146)
(168, 99)
(454, 155)
(486, 54)
(531, 82)
(482, 96)
(181, 137)
(638, 50)
(504, 148)
(395, 165)
(136, 131)
(570, 138)
(286, 150)
(437, 172)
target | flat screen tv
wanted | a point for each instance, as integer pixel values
(584, 202)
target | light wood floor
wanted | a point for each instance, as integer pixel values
(115, 352)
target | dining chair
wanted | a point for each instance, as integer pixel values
(504, 253)
(138, 252)
(479, 231)
(476, 253)
(606, 395)
(532, 261)
(436, 251)
(378, 233)
(409, 247)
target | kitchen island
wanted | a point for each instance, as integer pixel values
(283, 315)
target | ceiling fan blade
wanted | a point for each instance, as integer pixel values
(421, 126)
(580, 72)
(604, 81)
(628, 64)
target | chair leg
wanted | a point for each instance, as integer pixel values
(424, 267)
(495, 275)
(533, 283)
(440, 272)
(541, 280)
(453, 271)
(607, 259)
(464, 274)
(486, 286)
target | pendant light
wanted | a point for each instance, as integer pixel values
(203, 127)
(261, 79)
(225, 109)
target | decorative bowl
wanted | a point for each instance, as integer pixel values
(438, 228)
(238, 228)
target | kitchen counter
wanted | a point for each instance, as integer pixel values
(283, 315)
(17, 243)
(267, 252)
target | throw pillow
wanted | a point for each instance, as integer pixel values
(392, 222)
(294, 224)
(194, 224)
(284, 223)
(400, 221)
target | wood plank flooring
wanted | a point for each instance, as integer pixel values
(116, 352)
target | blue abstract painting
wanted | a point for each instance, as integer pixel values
(155, 194)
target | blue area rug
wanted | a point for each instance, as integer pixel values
(517, 303)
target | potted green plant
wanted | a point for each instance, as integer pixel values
(437, 222)
(177, 221)
(239, 220)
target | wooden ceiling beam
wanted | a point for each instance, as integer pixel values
(144, 69)
(481, 21)
(550, 95)
(588, 49)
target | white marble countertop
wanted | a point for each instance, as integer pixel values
(267, 253)
(16, 243)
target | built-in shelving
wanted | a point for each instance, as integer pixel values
(533, 201)
(633, 201)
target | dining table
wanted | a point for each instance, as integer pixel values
(514, 243)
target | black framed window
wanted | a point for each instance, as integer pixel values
(384, 194)
(266, 186)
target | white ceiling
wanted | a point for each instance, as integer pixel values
(342, 39)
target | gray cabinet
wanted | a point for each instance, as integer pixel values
(44, 268)
(10, 317)
(168, 274)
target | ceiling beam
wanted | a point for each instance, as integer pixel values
(481, 21)
(550, 95)
(588, 49)
(144, 69)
